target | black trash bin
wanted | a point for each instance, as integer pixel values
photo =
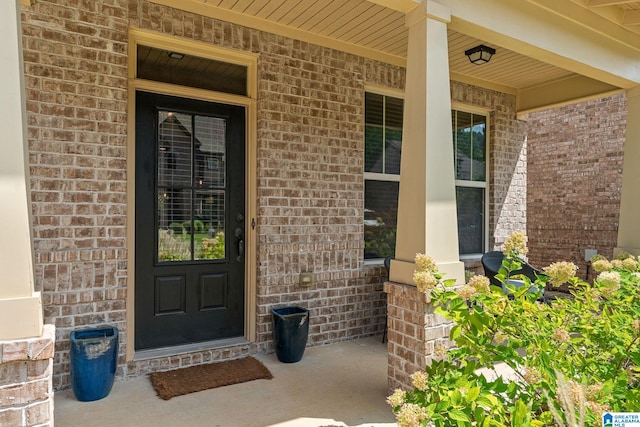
(290, 331)
(94, 357)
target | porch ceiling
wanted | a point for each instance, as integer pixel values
(624, 12)
(376, 29)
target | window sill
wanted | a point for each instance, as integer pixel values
(374, 262)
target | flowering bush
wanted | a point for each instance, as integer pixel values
(171, 248)
(213, 248)
(571, 359)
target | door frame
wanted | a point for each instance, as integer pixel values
(191, 47)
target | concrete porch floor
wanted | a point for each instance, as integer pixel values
(333, 385)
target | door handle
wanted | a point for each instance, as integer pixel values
(240, 250)
(240, 236)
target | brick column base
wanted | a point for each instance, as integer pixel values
(413, 332)
(26, 386)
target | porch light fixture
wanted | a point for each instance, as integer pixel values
(480, 54)
(175, 55)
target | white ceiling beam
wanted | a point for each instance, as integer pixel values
(562, 92)
(631, 17)
(598, 3)
(536, 28)
(603, 21)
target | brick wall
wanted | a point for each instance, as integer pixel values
(311, 186)
(75, 70)
(26, 386)
(574, 180)
(414, 332)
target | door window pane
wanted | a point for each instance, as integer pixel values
(210, 152)
(191, 187)
(209, 236)
(174, 231)
(174, 150)
(381, 210)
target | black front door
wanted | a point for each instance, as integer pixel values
(189, 227)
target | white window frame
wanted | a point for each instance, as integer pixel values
(455, 106)
(373, 176)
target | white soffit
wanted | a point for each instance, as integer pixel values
(376, 29)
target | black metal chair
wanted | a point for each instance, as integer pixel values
(492, 261)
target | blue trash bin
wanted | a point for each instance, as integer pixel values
(290, 331)
(94, 357)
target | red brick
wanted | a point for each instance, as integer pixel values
(574, 180)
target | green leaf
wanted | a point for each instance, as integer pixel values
(472, 394)
(458, 415)
(487, 400)
(456, 398)
(520, 416)
(455, 332)
(449, 282)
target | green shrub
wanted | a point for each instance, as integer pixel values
(571, 356)
(187, 227)
(176, 227)
(198, 226)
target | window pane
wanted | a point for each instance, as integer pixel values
(479, 150)
(383, 133)
(462, 143)
(192, 71)
(393, 148)
(393, 112)
(470, 202)
(380, 216)
(393, 134)
(373, 158)
(373, 109)
(373, 132)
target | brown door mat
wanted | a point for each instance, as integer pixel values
(181, 381)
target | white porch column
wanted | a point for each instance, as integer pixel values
(427, 219)
(629, 225)
(20, 306)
